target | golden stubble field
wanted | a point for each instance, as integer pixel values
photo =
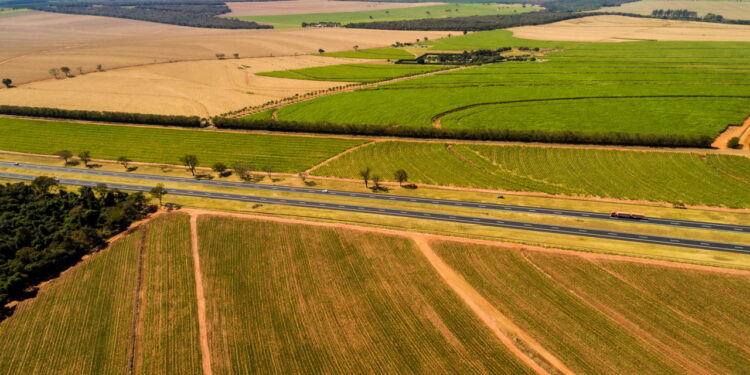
(269, 8)
(626, 29)
(729, 9)
(202, 88)
(34, 42)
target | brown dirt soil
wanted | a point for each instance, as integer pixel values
(499, 244)
(200, 298)
(733, 131)
(625, 29)
(270, 8)
(739, 10)
(507, 331)
(202, 88)
(34, 42)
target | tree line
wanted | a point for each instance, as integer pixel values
(183, 13)
(544, 136)
(120, 117)
(45, 229)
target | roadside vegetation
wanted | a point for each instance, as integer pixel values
(161, 145)
(689, 178)
(349, 296)
(604, 316)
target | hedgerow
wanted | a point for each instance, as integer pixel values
(120, 117)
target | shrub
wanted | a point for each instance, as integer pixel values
(120, 117)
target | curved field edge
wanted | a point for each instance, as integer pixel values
(282, 153)
(690, 178)
(363, 73)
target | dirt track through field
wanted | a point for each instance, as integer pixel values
(200, 298)
(519, 342)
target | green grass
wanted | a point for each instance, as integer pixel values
(301, 299)
(12, 11)
(641, 87)
(373, 53)
(262, 115)
(432, 11)
(160, 145)
(713, 180)
(610, 317)
(353, 72)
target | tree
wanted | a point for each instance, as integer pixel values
(220, 56)
(219, 168)
(55, 73)
(243, 171)
(99, 68)
(65, 155)
(85, 157)
(158, 192)
(80, 70)
(124, 161)
(401, 176)
(365, 173)
(65, 71)
(268, 169)
(43, 184)
(356, 48)
(102, 189)
(376, 182)
(8, 82)
(236, 55)
(320, 50)
(190, 161)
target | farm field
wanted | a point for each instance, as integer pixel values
(373, 53)
(713, 180)
(268, 8)
(353, 72)
(86, 41)
(626, 29)
(639, 317)
(674, 88)
(430, 11)
(200, 88)
(160, 145)
(739, 10)
(292, 298)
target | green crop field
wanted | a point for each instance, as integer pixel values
(675, 88)
(160, 145)
(610, 317)
(431, 11)
(81, 323)
(715, 180)
(309, 300)
(373, 53)
(354, 72)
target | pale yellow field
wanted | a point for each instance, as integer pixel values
(623, 29)
(269, 8)
(729, 9)
(34, 42)
(203, 88)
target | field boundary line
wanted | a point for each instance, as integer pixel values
(340, 154)
(437, 119)
(200, 298)
(137, 304)
(518, 341)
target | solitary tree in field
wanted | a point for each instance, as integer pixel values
(401, 177)
(85, 157)
(65, 155)
(219, 168)
(43, 184)
(8, 82)
(268, 169)
(55, 73)
(190, 161)
(158, 192)
(356, 48)
(65, 71)
(365, 173)
(320, 50)
(236, 55)
(124, 161)
(99, 68)
(220, 56)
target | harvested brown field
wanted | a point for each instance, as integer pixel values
(738, 10)
(271, 8)
(34, 42)
(203, 88)
(627, 29)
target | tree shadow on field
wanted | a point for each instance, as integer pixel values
(204, 177)
(132, 169)
(93, 166)
(310, 183)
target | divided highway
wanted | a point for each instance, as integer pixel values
(622, 236)
(392, 198)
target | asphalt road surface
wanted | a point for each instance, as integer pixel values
(623, 236)
(392, 198)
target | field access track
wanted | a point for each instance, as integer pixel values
(622, 236)
(394, 198)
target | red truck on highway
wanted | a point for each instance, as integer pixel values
(628, 215)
